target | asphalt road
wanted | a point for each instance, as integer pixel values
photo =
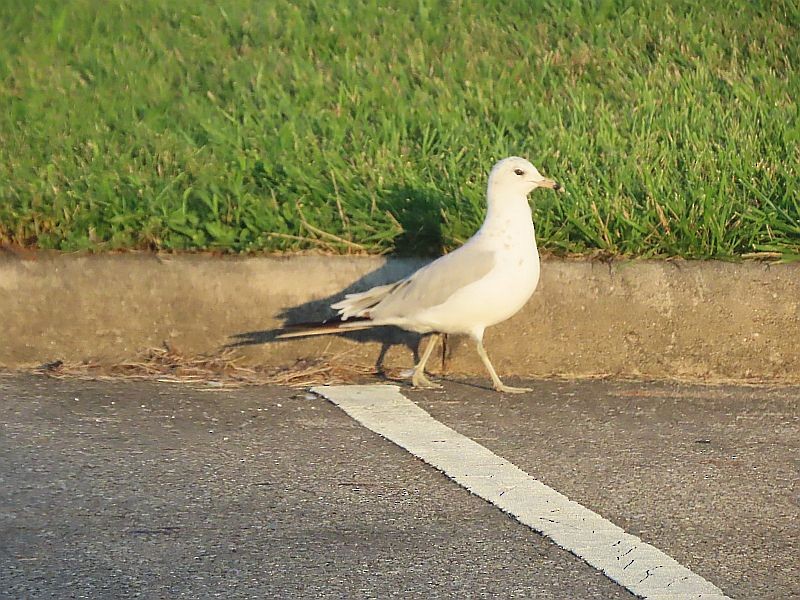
(136, 489)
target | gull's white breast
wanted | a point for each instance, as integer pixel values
(499, 294)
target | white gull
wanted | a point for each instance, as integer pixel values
(484, 282)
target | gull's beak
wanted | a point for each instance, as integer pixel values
(549, 183)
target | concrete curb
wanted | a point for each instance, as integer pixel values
(707, 321)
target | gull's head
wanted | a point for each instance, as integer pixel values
(516, 175)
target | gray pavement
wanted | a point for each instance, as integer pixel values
(137, 489)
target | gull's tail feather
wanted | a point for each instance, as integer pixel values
(324, 328)
(354, 313)
(359, 305)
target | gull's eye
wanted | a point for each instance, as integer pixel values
(519, 172)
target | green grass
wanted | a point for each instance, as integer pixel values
(348, 126)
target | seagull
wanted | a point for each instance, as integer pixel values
(482, 283)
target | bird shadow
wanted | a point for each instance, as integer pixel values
(419, 214)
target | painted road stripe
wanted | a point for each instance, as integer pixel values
(635, 565)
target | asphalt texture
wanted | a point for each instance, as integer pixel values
(131, 489)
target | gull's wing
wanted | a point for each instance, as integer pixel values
(433, 284)
(428, 287)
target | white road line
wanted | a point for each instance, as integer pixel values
(635, 565)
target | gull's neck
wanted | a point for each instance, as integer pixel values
(507, 212)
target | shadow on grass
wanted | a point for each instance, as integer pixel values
(418, 212)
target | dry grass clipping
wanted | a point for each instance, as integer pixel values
(217, 371)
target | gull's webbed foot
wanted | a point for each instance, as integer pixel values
(507, 389)
(419, 380)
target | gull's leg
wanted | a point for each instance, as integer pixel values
(496, 383)
(418, 379)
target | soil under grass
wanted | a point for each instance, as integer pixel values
(353, 126)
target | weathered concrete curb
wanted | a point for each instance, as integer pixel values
(688, 320)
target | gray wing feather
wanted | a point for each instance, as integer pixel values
(433, 284)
